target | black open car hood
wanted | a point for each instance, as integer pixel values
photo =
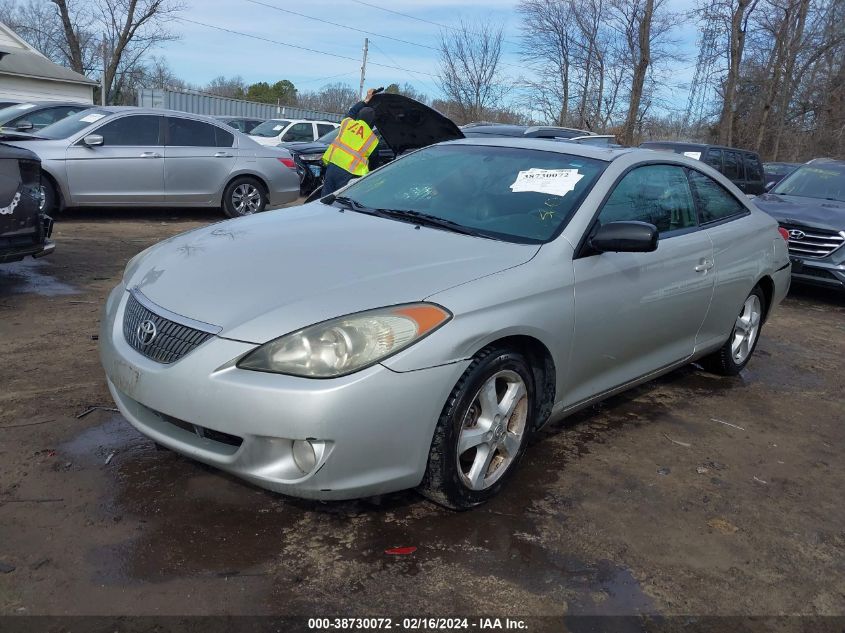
(406, 124)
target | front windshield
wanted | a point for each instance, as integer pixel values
(519, 195)
(13, 112)
(270, 128)
(70, 125)
(823, 181)
(328, 137)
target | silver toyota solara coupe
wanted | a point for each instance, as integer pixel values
(416, 327)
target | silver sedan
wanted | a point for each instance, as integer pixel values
(417, 327)
(121, 156)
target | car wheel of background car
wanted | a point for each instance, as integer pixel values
(244, 196)
(483, 430)
(734, 355)
(48, 196)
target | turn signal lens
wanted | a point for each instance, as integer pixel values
(783, 233)
(347, 344)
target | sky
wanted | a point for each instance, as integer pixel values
(204, 52)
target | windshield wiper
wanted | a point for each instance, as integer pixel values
(349, 203)
(426, 219)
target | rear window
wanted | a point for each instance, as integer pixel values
(270, 128)
(513, 194)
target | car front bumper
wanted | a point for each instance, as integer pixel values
(371, 430)
(818, 272)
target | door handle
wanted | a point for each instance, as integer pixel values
(704, 266)
(222, 155)
(150, 155)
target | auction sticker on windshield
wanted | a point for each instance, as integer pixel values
(557, 182)
(92, 118)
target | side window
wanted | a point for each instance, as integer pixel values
(299, 132)
(190, 133)
(324, 128)
(45, 117)
(657, 194)
(753, 168)
(714, 201)
(732, 166)
(131, 130)
(713, 157)
(223, 138)
(238, 125)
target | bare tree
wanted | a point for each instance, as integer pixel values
(231, 87)
(470, 77)
(740, 12)
(130, 28)
(636, 18)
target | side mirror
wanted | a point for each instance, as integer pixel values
(93, 140)
(24, 126)
(625, 237)
(769, 185)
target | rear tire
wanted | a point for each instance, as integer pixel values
(244, 196)
(483, 430)
(733, 356)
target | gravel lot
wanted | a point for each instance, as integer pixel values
(693, 494)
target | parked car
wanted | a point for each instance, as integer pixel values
(36, 115)
(742, 167)
(24, 229)
(124, 156)
(488, 130)
(6, 104)
(810, 204)
(242, 124)
(775, 172)
(401, 123)
(275, 131)
(465, 294)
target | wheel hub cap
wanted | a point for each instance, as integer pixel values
(746, 329)
(492, 430)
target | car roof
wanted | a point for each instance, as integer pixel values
(646, 144)
(50, 103)
(574, 149)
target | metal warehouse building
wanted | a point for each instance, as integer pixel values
(26, 75)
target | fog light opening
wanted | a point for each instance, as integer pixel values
(304, 456)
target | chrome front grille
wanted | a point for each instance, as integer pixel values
(162, 339)
(805, 241)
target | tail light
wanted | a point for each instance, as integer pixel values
(287, 162)
(783, 233)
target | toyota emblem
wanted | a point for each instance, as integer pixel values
(146, 332)
(795, 234)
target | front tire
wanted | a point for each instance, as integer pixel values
(733, 356)
(49, 197)
(244, 196)
(483, 430)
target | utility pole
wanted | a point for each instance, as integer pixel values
(363, 69)
(103, 76)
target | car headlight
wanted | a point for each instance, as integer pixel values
(347, 344)
(311, 157)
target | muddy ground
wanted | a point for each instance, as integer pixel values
(693, 494)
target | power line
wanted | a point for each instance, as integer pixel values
(343, 26)
(296, 46)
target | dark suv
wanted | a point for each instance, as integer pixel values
(24, 230)
(741, 166)
(810, 204)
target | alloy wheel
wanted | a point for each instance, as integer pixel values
(246, 199)
(746, 329)
(492, 430)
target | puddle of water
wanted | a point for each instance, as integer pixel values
(29, 276)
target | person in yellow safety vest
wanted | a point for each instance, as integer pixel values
(354, 152)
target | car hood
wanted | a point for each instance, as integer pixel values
(814, 212)
(266, 275)
(406, 124)
(302, 147)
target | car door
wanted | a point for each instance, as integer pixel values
(755, 180)
(128, 168)
(198, 158)
(738, 250)
(636, 313)
(733, 170)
